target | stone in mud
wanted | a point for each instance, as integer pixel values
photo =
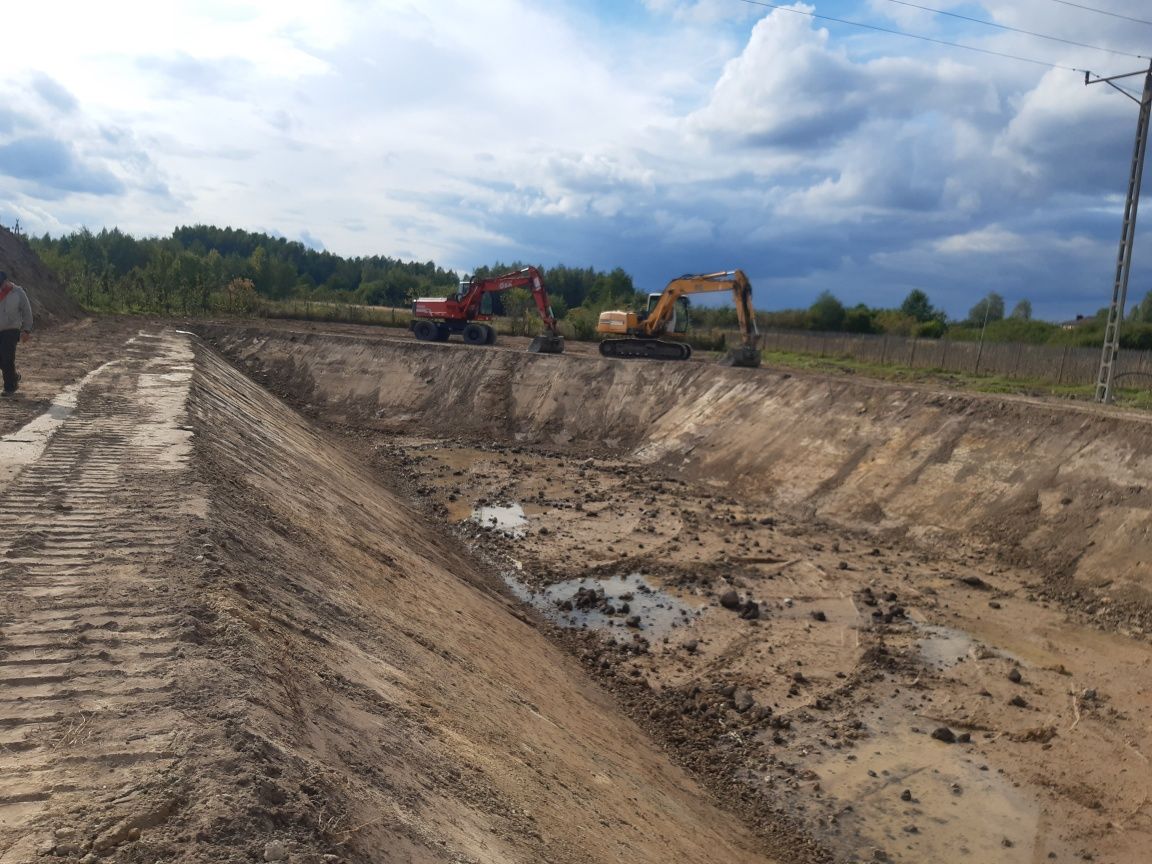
(633, 621)
(819, 616)
(750, 611)
(1018, 702)
(1014, 676)
(730, 600)
(742, 700)
(691, 645)
(943, 733)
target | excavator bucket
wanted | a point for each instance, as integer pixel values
(747, 356)
(547, 344)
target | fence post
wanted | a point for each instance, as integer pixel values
(884, 350)
(912, 355)
(1063, 360)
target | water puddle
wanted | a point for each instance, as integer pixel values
(922, 800)
(620, 601)
(509, 519)
(942, 647)
(25, 445)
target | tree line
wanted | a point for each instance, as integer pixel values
(202, 269)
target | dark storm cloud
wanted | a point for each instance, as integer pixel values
(52, 168)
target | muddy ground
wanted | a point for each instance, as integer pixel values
(847, 697)
(898, 704)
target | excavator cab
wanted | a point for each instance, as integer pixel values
(678, 323)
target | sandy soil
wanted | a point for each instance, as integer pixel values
(895, 634)
(819, 688)
(227, 633)
(220, 640)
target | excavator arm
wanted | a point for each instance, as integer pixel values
(529, 277)
(735, 280)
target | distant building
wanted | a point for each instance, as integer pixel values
(1077, 322)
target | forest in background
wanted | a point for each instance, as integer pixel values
(203, 269)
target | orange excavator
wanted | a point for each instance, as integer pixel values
(434, 319)
(637, 335)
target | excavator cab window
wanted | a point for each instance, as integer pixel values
(679, 321)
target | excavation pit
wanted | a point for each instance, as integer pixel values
(302, 596)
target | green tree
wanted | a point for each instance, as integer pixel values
(827, 313)
(518, 303)
(917, 305)
(1022, 311)
(1142, 311)
(860, 319)
(991, 308)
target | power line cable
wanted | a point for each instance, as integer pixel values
(1015, 29)
(917, 36)
(1103, 12)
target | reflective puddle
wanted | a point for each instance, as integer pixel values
(942, 647)
(619, 601)
(508, 519)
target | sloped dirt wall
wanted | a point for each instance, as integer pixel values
(1060, 487)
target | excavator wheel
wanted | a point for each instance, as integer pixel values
(491, 331)
(425, 331)
(476, 334)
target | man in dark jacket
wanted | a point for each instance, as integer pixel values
(15, 324)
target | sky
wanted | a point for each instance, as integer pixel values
(661, 136)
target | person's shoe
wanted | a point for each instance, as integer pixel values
(9, 392)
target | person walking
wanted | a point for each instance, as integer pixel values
(15, 325)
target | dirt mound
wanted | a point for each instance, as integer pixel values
(50, 302)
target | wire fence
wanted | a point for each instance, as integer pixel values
(1053, 364)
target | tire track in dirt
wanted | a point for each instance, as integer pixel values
(87, 636)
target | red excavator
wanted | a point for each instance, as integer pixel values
(434, 319)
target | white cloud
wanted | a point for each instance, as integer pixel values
(464, 131)
(992, 239)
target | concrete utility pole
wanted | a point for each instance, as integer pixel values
(1127, 233)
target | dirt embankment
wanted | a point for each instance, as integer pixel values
(222, 640)
(50, 302)
(1064, 489)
